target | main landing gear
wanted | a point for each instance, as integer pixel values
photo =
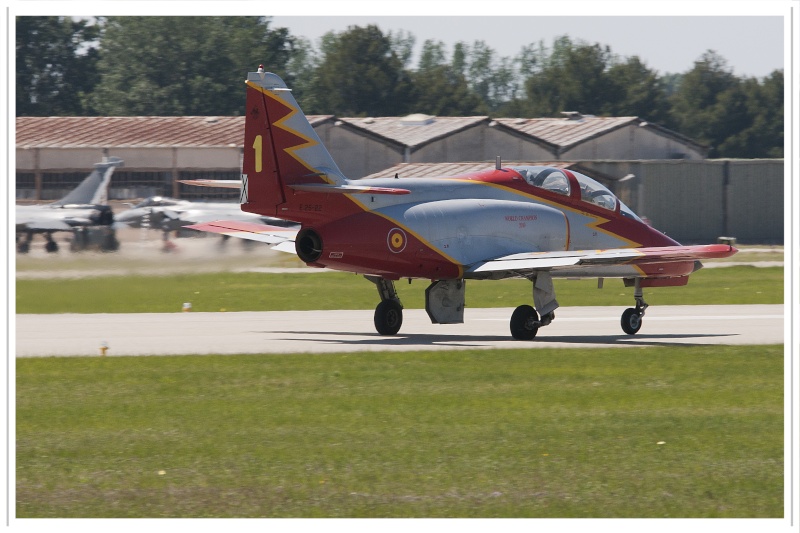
(24, 245)
(526, 321)
(389, 313)
(632, 317)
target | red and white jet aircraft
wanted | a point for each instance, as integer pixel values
(505, 222)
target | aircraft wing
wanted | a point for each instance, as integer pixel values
(586, 258)
(200, 216)
(43, 224)
(279, 238)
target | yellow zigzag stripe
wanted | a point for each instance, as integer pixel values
(292, 151)
(310, 143)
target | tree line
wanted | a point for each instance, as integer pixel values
(173, 66)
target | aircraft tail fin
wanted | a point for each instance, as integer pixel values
(281, 147)
(94, 188)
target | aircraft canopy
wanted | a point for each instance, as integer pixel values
(555, 180)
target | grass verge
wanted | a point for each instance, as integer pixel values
(653, 432)
(325, 291)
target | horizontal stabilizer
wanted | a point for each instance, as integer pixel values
(346, 189)
(272, 235)
(619, 256)
(226, 184)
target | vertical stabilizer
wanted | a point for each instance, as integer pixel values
(281, 147)
(93, 189)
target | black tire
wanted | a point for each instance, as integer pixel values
(24, 247)
(51, 247)
(524, 323)
(388, 317)
(110, 243)
(631, 321)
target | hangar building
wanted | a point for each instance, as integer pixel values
(54, 153)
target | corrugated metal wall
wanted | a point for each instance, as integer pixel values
(699, 201)
(684, 199)
(755, 201)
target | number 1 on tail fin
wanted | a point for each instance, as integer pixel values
(257, 147)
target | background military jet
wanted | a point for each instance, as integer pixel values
(84, 208)
(171, 214)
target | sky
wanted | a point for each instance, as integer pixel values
(751, 45)
(668, 36)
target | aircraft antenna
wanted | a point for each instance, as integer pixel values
(497, 163)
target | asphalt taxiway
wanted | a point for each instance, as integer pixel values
(351, 331)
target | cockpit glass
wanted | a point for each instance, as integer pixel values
(594, 193)
(155, 201)
(548, 178)
(555, 180)
(626, 211)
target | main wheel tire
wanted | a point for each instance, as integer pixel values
(110, 243)
(524, 323)
(631, 321)
(388, 317)
(51, 247)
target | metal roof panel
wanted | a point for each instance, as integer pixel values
(413, 133)
(125, 132)
(565, 132)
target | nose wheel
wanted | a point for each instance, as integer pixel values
(632, 317)
(632, 320)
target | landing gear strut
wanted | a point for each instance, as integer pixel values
(389, 313)
(24, 245)
(50, 246)
(526, 321)
(632, 317)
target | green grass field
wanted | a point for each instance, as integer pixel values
(280, 292)
(655, 432)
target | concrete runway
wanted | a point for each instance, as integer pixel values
(351, 331)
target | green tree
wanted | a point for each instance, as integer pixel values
(459, 61)
(402, 44)
(56, 65)
(709, 105)
(300, 70)
(639, 92)
(493, 80)
(759, 132)
(360, 74)
(438, 88)
(441, 91)
(184, 65)
(736, 117)
(432, 55)
(572, 78)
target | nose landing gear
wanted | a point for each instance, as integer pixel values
(632, 317)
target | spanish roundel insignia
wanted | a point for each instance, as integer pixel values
(396, 240)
